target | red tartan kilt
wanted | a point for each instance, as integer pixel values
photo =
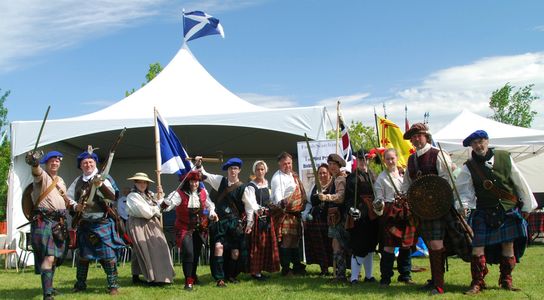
(397, 230)
(264, 253)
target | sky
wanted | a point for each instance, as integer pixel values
(431, 56)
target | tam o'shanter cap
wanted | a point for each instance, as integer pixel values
(235, 161)
(87, 154)
(476, 135)
(337, 159)
(140, 176)
(50, 155)
(415, 129)
(193, 175)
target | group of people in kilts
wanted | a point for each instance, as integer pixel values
(255, 227)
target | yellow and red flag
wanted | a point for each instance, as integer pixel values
(391, 137)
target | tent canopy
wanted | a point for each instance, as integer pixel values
(525, 145)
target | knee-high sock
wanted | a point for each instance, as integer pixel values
(285, 258)
(356, 263)
(81, 274)
(216, 265)
(404, 264)
(110, 268)
(367, 262)
(47, 281)
(386, 267)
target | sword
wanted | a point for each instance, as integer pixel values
(41, 129)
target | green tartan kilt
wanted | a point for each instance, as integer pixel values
(229, 232)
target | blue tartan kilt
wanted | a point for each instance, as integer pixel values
(514, 227)
(44, 244)
(98, 240)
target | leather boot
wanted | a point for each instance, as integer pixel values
(478, 269)
(506, 267)
(438, 259)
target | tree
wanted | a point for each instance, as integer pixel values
(514, 109)
(4, 155)
(360, 136)
(154, 70)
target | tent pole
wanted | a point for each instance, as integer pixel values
(337, 124)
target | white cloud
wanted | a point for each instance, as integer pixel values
(268, 101)
(447, 92)
(29, 28)
(539, 28)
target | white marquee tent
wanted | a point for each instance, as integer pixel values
(205, 116)
(525, 145)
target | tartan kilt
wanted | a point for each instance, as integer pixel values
(396, 230)
(289, 230)
(317, 242)
(264, 253)
(432, 229)
(226, 232)
(514, 227)
(44, 244)
(98, 240)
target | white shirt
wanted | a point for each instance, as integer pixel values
(72, 192)
(383, 187)
(250, 205)
(139, 207)
(174, 199)
(465, 187)
(283, 185)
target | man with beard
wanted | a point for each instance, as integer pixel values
(492, 185)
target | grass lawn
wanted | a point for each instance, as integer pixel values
(529, 276)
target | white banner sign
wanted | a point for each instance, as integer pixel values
(320, 151)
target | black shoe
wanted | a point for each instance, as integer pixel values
(221, 283)
(407, 281)
(188, 287)
(370, 280)
(136, 280)
(354, 282)
(48, 297)
(233, 280)
(429, 286)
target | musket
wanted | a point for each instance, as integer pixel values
(460, 217)
(218, 160)
(314, 169)
(41, 129)
(88, 195)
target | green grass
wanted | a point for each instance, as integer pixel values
(529, 276)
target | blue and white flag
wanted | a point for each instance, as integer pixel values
(173, 155)
(198, 24)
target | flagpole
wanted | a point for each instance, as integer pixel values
(157, 153)
(183, 25)
(377, 128)
(337, 123)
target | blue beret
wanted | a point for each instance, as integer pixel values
(85, 155)
(235, 161)
(476, 135)
(50, 155)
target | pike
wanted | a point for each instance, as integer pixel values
(314, 169)
(88, 195)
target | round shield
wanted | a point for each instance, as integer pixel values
(26, 202)
(430, 197)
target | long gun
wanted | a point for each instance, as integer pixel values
(88, 195)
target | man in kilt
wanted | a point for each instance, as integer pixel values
(289, 198)
(492, 186)
(48, 228)
(227, 235)
(397, 228)
(97, 236)
(429, 160)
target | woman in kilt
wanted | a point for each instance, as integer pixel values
(263, 246)
(316, 238)
(396, 225)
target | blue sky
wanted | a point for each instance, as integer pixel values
(435, 56)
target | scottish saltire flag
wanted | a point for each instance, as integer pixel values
(198, 24)
(347, 153)
(173, 155)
